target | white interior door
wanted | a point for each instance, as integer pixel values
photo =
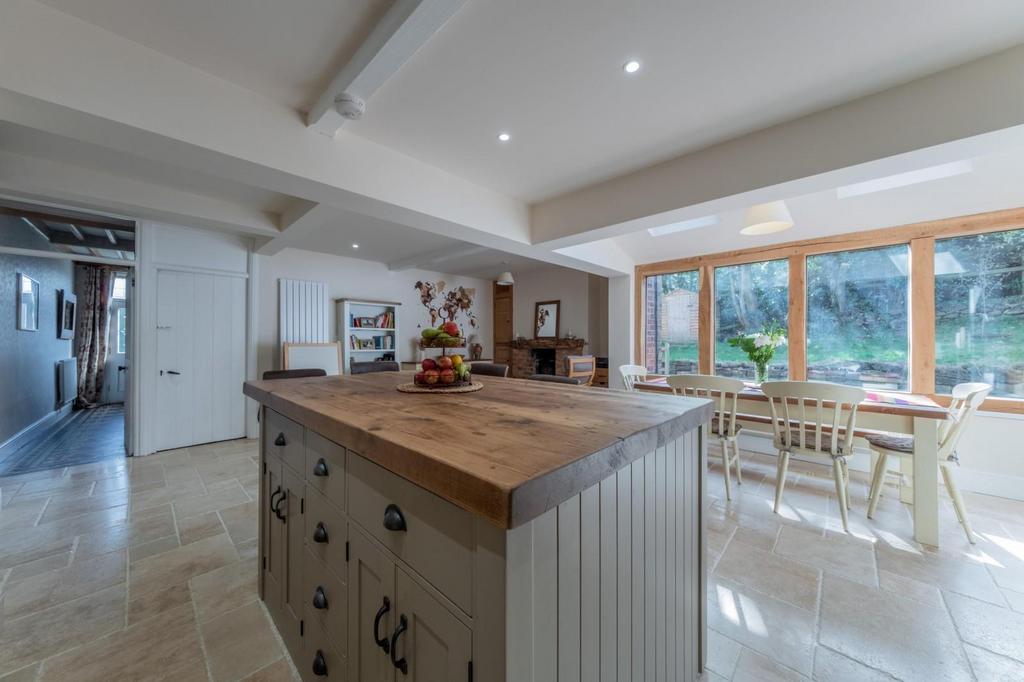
(201, 327)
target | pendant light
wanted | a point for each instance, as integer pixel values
(505, 279)
(767, 218)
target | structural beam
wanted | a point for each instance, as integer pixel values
(41, 218)
(90, 242)
(433, 258)
(406, 27)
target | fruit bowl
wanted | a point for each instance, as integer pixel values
(447, 371)
(446, 335)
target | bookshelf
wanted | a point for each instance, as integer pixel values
(367, 330)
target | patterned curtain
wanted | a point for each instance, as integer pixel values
(92, 287)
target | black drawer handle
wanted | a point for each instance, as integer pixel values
(381, 612)
(400, 663)
(320, 468)
(319, 664)
(280, 440)
(320, 533)
(319, 598)
(393, 518)
(272, 496)
(277, 507)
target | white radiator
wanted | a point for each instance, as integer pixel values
(67, 381)
(302, 311)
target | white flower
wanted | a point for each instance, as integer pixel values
(762, 340)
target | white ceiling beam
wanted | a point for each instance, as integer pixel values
(42, 231)
(298, 220)
(431, 258)
(406, 27)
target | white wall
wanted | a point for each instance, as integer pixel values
(620, 327)
(571, 287)
(354, 278)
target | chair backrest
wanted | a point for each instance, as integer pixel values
(711, 387)
(581, 366)
(374, 366)
(797, 426)
(490, 369)
(966, 400)
(631, 374)
(293, 373)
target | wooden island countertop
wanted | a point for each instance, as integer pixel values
(507, 453)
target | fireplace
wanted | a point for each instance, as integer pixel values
(543, 360)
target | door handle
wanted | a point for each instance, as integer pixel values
(382, 642)
(319, 664)
(272, 496)
(400, 663)
(280, 441)
(319, 598)
(171, 371)
(277, 508)
(394, 520)
(320, 468)
(320, 533)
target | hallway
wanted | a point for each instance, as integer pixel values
(82, 437)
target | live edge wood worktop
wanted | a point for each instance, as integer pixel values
(525, 532)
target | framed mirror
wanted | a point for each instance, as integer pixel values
(28, 303)
(545, 320)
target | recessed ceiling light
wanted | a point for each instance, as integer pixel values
(691, 224)
(504, 137)
(355, 246)
(914, 177)
(632, 66)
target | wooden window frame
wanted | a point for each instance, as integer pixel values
(918, 237)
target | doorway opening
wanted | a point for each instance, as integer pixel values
(67, 345)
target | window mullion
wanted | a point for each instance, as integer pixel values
(922, 315)
(797, 317)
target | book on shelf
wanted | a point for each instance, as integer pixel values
(383, 321)
(384, 342)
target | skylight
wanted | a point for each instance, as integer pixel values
(691, 224)
(914, 177)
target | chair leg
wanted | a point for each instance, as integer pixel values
(958, 502)
(780, 482)
(736, 457)
(725, 465)
(877, 482)
(837, 470)
(846, 481)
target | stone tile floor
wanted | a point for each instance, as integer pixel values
(146, 569)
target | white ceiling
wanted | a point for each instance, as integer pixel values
(287, 50)
(994, 184)
(550, 74)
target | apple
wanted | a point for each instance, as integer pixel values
(447, 376)
(420, 378)
(431, 376)
(429, 363)
(445, 362)
(451, 329)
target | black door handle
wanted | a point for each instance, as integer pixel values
(400, 663)
(319, 664)
(319, 598)
(393, 518)
(280, 441)
(272, 496)
(381, 612)
(277, 508)
(320, 533)
(171, 371)
(320, 468)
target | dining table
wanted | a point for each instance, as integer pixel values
(881, 411)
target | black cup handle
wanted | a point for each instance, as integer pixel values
(280, 440)
(394, 520)
(382, 642)
(319, 664)
(400, 663)
(320, 468)
(319, 598)
(320, 533)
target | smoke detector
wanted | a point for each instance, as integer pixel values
(349, 106)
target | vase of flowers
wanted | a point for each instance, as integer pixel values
(760, 347)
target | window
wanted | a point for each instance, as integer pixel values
(122, 326)
(979, 312)
(118, 315)
(857, 317)
(670, 331)
(120, 286)
(749, 298)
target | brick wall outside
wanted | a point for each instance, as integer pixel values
(650, 323)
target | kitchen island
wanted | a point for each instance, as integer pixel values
(525, 532)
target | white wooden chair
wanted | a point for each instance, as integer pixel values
(632, 374)
(967, 398)
(724, 423)
(808, 419)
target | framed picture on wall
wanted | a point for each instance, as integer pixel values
(28, 303)
(66, 304)
(545, 320)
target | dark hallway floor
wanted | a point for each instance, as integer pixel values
(82, 437)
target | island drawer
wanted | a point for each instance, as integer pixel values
(284, 439)
(325, 468)
(326, 531)
(325, 595)
(432, 535)
(321, 658)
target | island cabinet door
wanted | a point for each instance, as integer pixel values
(429, 642)
(371, 604)
(272, 540)
(290, 515)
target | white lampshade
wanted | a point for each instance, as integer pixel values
(505, 279)
(767, 218)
